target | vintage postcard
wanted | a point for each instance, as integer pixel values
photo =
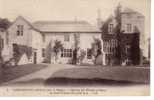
(75, 47)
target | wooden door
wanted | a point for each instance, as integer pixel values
(35, 57)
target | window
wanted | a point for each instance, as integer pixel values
(127, 49)
(43, 37)
(66, 53)
(110, 29)
(20, 30)
(43, 52)
(89, 53)
(129, 28)
(67, 37)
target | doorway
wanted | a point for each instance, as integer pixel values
(35, 57)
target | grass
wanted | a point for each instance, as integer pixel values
(11, 73)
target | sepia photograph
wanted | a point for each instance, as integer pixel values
(75, 47)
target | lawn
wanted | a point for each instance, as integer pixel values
(102, 74)
(11, 73)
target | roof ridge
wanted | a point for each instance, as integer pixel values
(62, 22)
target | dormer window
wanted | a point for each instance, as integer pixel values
(110, 28)
(129, 28)
(20, 30)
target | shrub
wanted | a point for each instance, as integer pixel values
(81, 56)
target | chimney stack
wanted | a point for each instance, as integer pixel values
(99, 20)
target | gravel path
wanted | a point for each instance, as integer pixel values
(39, 76)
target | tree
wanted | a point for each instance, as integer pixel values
(48, 53)
(1, 48)
(80, 56)
(4, 23)
(57, 48)
(76, 48)
(19, 50)
(96, 48)
(118, 32)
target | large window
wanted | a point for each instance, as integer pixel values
(66, 53)
(20, 30)
(67, 37)
(129, 28)
(110, 46)
(110, 28)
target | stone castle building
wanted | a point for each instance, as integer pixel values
(123, 37)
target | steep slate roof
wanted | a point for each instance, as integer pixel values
(61, 26)
(65, 26)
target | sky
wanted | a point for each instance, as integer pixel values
(34, 10)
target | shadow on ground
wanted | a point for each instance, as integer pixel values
(87, 82)
(73, 82)
(128, 74)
